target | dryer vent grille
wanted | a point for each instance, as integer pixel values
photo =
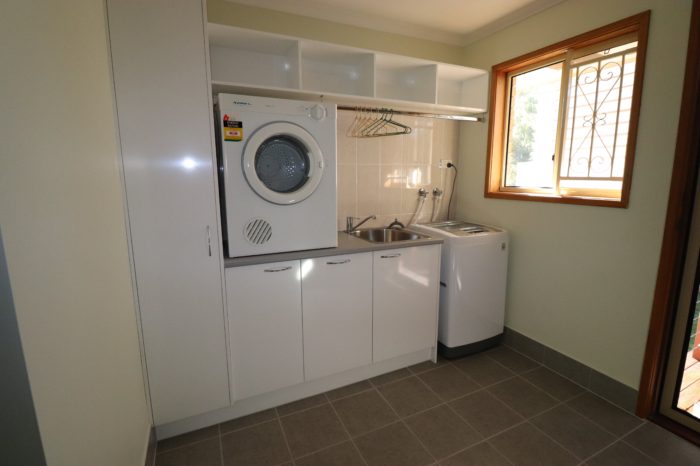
(258, 231)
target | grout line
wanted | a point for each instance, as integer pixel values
(486, 353)
(377, 385)
(179, 447)
(255, 424)
(496, 434)
(303, 409)
(403, 422)
(221, 446)
(352, 442)
(486, 441)
(286, 442)
(499, 452)
(588, 378)
(599, 424)
(327, 447)
(371, 387)
(527, 382)
(447, 404)
(622, 439)
(566, 449)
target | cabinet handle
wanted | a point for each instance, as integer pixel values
(209, 239)
(389, 256)
(345, 261)
(279, 269)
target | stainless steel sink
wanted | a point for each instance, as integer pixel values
(386, 235)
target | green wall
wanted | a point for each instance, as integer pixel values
(582, 278)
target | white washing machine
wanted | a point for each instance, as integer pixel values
(278, 170)
(473, 273)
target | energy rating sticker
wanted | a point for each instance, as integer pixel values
(233, 130)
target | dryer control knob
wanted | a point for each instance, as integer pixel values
(317, 112)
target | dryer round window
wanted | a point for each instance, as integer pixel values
(283, 163)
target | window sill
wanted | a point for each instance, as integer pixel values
(577, 200)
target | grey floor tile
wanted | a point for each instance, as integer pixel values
(364, 412)
(202, 453)
(524, 445)
(664, 446)
(554, 384)
(393, 445)
(606, 415)
(247, 421)
(313, 429)
(344, 454)
(621, 454)
(299, 405)
(428, 365)
(390, 377)
(485, 413)
(482, 454)
(409, 396)
(574, 432)
(189, 437)
(483, 370)
(349, 390)
(442, 432)
(259, 445)
(449, 382)
(513, 360)
(523, 397)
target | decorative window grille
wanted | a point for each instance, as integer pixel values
(598, 115)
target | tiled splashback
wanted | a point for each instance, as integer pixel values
(382, 175)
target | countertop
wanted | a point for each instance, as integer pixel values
(347, 244)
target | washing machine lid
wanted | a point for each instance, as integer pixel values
(283, 163)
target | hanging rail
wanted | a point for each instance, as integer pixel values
(416, 114)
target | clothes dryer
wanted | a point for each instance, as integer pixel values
(278, 170)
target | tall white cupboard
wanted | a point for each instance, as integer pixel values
(163, 103)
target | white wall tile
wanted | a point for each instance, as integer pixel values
(382, 175)
(368, 182)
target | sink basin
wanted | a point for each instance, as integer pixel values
(386, 235)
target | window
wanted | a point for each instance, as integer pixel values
(564, 118)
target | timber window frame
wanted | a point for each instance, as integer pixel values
(634, 28)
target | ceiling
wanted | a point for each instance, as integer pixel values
(457, 22)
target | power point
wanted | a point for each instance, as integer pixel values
(443, 163)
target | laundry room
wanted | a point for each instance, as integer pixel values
(321, 232)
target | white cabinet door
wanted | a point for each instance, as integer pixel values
(406, 283)
(337, 308)
(264, 308)
(165, 129)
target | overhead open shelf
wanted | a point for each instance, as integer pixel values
(258, 63)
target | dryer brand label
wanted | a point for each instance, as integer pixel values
(233, 130)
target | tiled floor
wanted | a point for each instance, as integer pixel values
(496, 408)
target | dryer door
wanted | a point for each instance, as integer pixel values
(283, 163)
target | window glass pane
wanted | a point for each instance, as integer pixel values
(598, 115)
(532, 127)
